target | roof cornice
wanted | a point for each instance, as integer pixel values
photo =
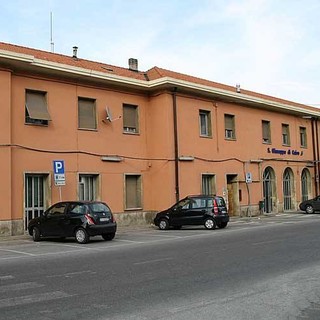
(154, 84)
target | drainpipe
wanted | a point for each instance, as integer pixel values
(176, 149)
(317, 157)
(315, 152)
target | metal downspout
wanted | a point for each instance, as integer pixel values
(317, 157)
(316, 172)
(176, 146)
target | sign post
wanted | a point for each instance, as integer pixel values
(59, 175)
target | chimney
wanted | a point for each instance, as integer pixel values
(75, 51)
(133, 64)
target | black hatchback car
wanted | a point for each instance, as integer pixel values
(79, 219)
(311, 205)
(209, 211)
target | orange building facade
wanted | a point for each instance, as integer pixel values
(141, 140)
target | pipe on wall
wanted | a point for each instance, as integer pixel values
(176, 143)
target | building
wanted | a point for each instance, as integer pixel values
(142, 140)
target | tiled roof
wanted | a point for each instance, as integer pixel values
(75, 62)
(152, 74)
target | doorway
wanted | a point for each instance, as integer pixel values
(268, 189)
(233, 194)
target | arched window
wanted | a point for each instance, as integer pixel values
(305, 184)
(287, 184)
(269, 189)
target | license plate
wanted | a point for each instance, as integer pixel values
(104, 219)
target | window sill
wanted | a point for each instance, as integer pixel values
(205, 136)
(230, 139)
(131, 133)
(133, 209)
(88, 129)
(37, 124)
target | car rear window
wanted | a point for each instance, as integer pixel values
(99, 207)
(220, 202)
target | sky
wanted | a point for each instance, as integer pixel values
(267, 46)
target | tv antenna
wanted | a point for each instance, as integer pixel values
(51, 37)
(109, 116)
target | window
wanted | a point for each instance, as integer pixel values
(133, 191)
(208, 184)
(88, 187)
(36, 111)
(266, 133)
(198, 203)
(87, 114)
(285, 135)
(130, 118)
(303, 137)
(205, 123)
(58, 209)
(35, 196)
(229, 126)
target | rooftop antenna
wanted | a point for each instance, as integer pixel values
(51, 38)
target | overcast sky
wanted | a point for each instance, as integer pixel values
(268, 46)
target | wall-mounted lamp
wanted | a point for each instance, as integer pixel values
(186, 158)
(112, 158)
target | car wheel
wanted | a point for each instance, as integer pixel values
(210, 224)
(81, 236)
(309, 209)
(108, 236)
(163, 224)
(35, 234)
(222, 225)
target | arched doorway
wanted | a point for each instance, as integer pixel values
(305, 184)
(287, 185)
(269, 189)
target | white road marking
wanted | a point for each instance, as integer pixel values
(152, 261)
(33, 298)
(9, 277)
(71, 274)
(20, 286)
(19, 252)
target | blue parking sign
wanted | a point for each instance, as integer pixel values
(58, 170)
(58, 166)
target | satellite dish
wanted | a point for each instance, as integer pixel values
(108, 114)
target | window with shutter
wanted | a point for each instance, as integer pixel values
(130, 118)
(133, 191)
(285, 135)
(229, 126)
(266, 133)
(205, 123)
(86, 114)
(36, 111)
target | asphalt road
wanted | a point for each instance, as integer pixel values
(265, 268)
